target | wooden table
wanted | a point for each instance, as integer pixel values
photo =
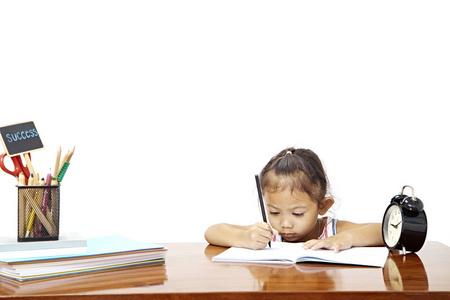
(190, 273)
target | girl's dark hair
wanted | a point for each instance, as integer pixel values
(297, 169)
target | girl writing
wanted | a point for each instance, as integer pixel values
(295, 187)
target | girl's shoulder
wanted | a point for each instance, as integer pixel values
(329, 227)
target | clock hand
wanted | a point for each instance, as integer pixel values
(395, 226)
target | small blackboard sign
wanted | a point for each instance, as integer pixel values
(20, 138)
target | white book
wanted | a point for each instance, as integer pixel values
(19, 250)
(291, 253)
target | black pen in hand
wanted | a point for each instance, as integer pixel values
(261, 202)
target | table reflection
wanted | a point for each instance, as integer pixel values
(294, 277)
(138, 276)
(398, 268)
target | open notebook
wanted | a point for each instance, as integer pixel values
(291, 253)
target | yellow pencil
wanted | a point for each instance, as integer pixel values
(70, 154)
(30, 168)
(21, 179)
(55, 172)
(32, 216)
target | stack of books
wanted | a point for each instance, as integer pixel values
(97, 255)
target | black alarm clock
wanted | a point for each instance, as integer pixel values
(404, 224)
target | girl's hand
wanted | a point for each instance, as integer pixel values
(257, 236)
(349, 235)
(340, 241)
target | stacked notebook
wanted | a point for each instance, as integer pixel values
(100, 254)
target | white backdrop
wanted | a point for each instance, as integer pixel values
(173, 106)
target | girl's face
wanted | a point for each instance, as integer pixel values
(293, 215)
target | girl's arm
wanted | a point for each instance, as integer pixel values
(254, 236)
(350, 235)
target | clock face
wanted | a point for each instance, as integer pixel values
(392, 225)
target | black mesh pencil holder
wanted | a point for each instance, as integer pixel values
(38, 213)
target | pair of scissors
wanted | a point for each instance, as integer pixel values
(18, 166)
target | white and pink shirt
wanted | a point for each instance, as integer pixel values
(328, 230)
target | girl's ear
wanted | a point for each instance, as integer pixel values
(325, 205)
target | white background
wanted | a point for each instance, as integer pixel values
(173, 106)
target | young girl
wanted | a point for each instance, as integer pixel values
(294, 186)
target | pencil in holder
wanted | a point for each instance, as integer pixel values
(38, 213)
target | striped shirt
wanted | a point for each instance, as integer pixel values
(328, 230)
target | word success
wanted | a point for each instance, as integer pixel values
(22, 135)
